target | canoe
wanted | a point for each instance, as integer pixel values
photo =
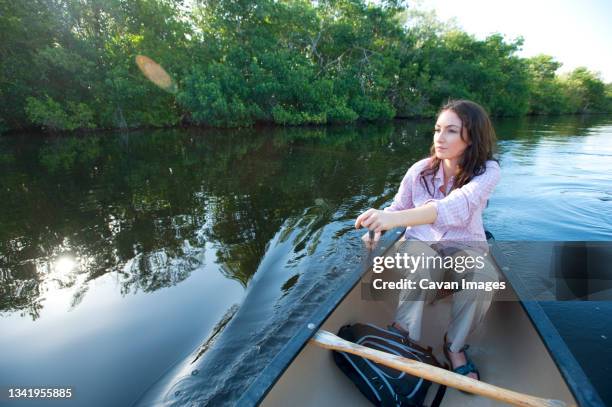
(510, 348)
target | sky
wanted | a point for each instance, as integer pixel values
(575, 32)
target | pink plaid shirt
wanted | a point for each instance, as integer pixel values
(459, 213)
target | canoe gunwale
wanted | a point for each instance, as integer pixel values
(571, 371)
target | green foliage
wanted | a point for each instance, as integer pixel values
(70, 64)
(585, 91)
(340, 113)
(459, 66)
(215, 95)
(51, 115)
(546, 91)
(608, 98)
(579, 91)
(291, 63)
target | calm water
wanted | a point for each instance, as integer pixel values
(126, 259)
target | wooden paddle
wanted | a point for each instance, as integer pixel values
(328, 340)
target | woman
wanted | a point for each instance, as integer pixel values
(441, 200)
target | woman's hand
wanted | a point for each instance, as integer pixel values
(376, 220)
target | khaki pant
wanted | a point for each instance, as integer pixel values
(469, 306)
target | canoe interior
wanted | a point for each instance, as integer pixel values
(506, 349)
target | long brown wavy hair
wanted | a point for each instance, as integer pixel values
(481, 140)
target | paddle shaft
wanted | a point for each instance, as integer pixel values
(445, 377)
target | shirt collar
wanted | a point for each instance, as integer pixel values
(440, 173)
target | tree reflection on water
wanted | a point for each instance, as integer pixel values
(144, 205)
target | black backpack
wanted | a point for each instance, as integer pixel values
(384, 386)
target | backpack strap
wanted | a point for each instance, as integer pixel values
(441, 390)
(439, 396)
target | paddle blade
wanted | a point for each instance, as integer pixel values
(155, 73)
(327, 339)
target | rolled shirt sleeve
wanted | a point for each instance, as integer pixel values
(456, 208)
(403, 199)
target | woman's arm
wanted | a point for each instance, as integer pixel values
(453, 210)
(403, 198)
(378, 220)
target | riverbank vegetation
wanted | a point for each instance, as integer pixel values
(69, 64)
